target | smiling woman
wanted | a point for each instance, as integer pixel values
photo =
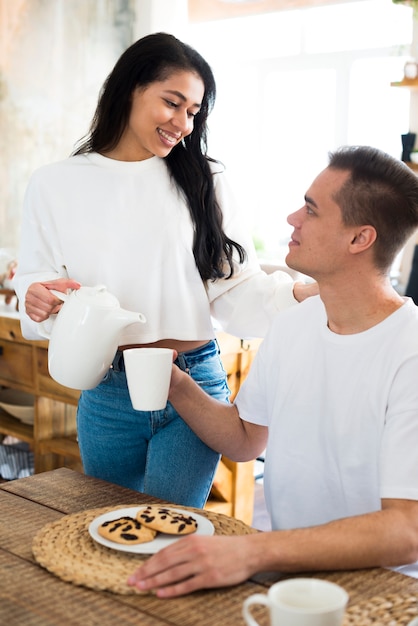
(141, 208)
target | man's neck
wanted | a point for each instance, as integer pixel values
(355, 305)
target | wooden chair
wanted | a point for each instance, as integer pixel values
(233, 487)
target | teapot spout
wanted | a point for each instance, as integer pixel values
(124, 318)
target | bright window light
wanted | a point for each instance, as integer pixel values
(293, 85)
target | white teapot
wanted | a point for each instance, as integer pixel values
(85, 336)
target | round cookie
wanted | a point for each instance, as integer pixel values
(166, 520)
(126, 530)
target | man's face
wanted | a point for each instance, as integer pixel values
(320, 241)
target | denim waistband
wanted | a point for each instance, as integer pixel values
(184, 359)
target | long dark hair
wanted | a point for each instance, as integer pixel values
(151, 59)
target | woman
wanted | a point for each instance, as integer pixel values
(141, 208)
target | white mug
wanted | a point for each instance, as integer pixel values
(148, 374)
(300, 602)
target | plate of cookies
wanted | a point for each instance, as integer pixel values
(147, 529)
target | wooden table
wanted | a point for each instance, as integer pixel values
(31, 596)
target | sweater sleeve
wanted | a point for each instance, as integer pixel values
(248, 308)
(245, 304)
(38, 249)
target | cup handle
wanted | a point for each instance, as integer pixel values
(257, 598)
(44, 326)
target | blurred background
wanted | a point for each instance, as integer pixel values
(296, 78)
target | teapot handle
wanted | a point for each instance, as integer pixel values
(59, 294)
(43, 327)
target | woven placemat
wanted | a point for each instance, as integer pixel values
(65, 548)
(391, 610)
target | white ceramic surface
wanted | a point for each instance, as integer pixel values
(204, 527)
(300, 602)
(85, 336)
(19, 404)
(148, 373)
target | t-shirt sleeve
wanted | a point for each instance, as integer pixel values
(252, 398)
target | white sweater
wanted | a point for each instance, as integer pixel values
(125, 225)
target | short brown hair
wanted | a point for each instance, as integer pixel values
(382, 192)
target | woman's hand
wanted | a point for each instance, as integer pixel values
(195, 562)
(301, 291)
(40, 303)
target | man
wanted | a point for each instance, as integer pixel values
(332, 395)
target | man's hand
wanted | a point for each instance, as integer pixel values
(385, 538)
(196, 562)
(40, 303)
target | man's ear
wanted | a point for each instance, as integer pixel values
(363, 239)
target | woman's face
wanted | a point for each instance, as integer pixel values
(161, 115)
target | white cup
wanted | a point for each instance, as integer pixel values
(300, 602)
(148, 373)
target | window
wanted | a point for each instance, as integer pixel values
(293, 85)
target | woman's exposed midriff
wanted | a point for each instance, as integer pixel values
(174, 344)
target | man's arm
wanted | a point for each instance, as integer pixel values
(383, 538)
(217, 423)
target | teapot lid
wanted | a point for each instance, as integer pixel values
(97, 296)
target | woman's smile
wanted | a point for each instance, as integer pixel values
(170, 138)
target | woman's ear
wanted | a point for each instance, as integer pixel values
(363, 239)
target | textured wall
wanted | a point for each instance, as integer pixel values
(54, 57)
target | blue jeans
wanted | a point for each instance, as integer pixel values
(154, 452)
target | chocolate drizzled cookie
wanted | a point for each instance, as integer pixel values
(166, 520)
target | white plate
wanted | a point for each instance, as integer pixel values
(204, 527)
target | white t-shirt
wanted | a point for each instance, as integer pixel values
(342, 413)
(126, 226)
